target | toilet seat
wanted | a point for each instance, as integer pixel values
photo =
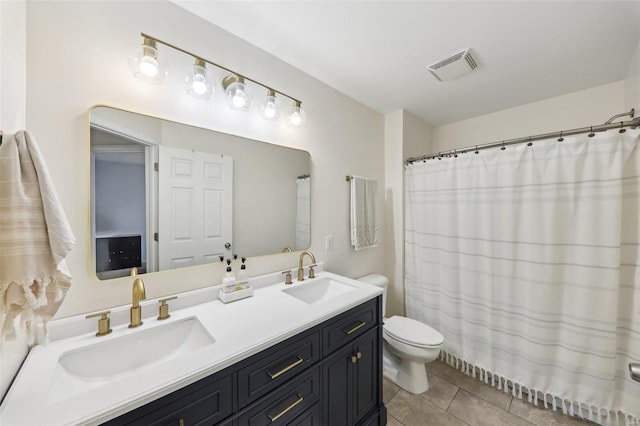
(412, 332)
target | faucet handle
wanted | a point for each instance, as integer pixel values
(104, 323)
(312, 273)
(164, 308)
(287, 277)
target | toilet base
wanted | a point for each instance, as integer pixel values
(409, 375)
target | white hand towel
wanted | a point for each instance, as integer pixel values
(303, 213)
(35, 237)
(364, 228)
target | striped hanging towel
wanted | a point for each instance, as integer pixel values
(364, 227)
(35, 238)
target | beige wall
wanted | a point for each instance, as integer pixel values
(77, 58)
(394, 212)
(12, 118)
(89, 43)
(632, 82)
(12, 65)
(405, 136)
(574, 110)
(416, 140)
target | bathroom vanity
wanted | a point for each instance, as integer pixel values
(329, 375)
(302, 354)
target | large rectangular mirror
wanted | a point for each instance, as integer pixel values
(167, 195)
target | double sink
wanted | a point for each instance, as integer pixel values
(103, 361)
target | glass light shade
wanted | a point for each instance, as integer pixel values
(271, 106)
(146, 64)
(236, 92)
(297, 117)
(198, 82)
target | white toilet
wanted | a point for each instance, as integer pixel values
(408, 345)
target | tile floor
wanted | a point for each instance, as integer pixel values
(459, 400)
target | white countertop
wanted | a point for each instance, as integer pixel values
(240, 329)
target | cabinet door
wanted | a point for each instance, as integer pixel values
(336, 388)
(365, 375)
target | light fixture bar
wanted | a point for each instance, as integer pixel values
(179, 49)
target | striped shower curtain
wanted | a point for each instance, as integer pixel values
(527, 260)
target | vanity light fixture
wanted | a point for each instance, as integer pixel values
(146, 64)
(297, 116)
(199, 83)
(235, 89)
(270, 106)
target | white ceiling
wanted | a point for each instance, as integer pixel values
(377, 52)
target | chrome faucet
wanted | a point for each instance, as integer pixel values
(138, 293)
(301, 269)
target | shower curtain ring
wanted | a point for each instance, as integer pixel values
(591, 134)
(529, 143)
(622, 130)
(455, 154)
(560, 139)
(503, 147)
(477, 149)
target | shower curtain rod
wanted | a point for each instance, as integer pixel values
(560, 135)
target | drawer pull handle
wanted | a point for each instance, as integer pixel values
(180, 422)
(359, 355)
(353, 359)
(297, 362)
(356, 328)
(286, 410)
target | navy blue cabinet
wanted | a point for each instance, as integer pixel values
(351, 381)
(206, 402)
(328, 375)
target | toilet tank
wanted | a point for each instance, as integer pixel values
(379, 281)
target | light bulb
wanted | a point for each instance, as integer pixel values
(236, 92)
(146, 64)
(296, 120)
(297, 116)
(149, 66)
(239, 98)
(199, 85)
(270, 110)
(198, 82)
(271, 106)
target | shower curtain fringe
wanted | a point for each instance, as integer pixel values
(600, 415)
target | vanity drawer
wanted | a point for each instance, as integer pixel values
(272, 367)
(311, 417)
(349, 325)
(205, 402)
(285, 404)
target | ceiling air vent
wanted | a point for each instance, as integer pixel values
(453, 67)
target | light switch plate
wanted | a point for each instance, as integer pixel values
(328, 243)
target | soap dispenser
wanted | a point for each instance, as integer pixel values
(229, 280)
(243, 279)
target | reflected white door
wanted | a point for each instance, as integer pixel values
(195, 207)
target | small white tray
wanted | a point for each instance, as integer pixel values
(235, 295)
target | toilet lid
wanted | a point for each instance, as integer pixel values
(412, 332)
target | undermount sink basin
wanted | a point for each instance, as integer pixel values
(91, 366)
(318, 290)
